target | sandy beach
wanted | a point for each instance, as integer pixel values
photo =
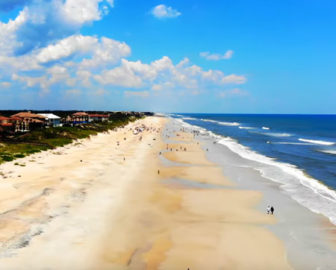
(125, 201)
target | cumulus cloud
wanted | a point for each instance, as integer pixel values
(83, 11)
(44, 51)
(215, 56)
(99, 52)
(163, 74)
(107, 52)
(236, 92)
(67, 47)
(163, 11)
(42, 22)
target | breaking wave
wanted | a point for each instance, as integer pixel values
(316, 142)
(303, 188)
(221, 123)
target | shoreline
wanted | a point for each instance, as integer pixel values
(116, 201)
(309, 237)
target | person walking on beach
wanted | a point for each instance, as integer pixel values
(272, 210)
(268, 209)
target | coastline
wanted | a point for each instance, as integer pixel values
(309, 237)
(157, 209)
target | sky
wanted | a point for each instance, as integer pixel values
(192, 56)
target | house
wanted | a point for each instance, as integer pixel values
(52, 119)
(26, 121)
(19, 125)
(80, 118)
(5, 123)
(98, 117)
(13, 124)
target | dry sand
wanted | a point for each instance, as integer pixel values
(85, 207)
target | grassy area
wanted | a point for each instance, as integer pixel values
(50, 138)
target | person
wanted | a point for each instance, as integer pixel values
(272, 210)
(268, 209)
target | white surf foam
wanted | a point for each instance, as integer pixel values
(188, 118)
(221, 122)
(306, 190)
(272, 134)
(294, 143)
(266, 128)
(316, 142)
(332, 152)
(192, 127)
(246, 127)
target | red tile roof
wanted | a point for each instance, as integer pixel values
(28, 115)
(2, 118)
(15, 118)
(80, 114)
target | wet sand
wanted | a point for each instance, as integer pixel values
(85, 207)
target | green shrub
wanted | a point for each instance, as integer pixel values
(7, 158)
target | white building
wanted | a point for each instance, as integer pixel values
(52, 119)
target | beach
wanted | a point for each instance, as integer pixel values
(159, 199)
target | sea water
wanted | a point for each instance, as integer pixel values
(296, 151)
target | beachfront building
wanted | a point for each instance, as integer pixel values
(80, 118)
(52, 119)
(26, 121)
(14, 124)
(6, 124)
(98, 117)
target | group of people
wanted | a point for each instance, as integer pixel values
(270, 210)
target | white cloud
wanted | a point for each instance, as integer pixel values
(163, 11)
(8, 33)
(120, 76)
(233, 79)
(142, 94)
(107, 52)
(31, 81)
(84, 77)
(42, 47)
(43, 22)
(67, 47)
(215, 56)
(100, 52)
(236, 92)
(163, 74)
(83, 11)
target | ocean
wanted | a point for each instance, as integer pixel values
(296, 151)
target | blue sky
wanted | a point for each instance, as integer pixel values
(169, 56)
